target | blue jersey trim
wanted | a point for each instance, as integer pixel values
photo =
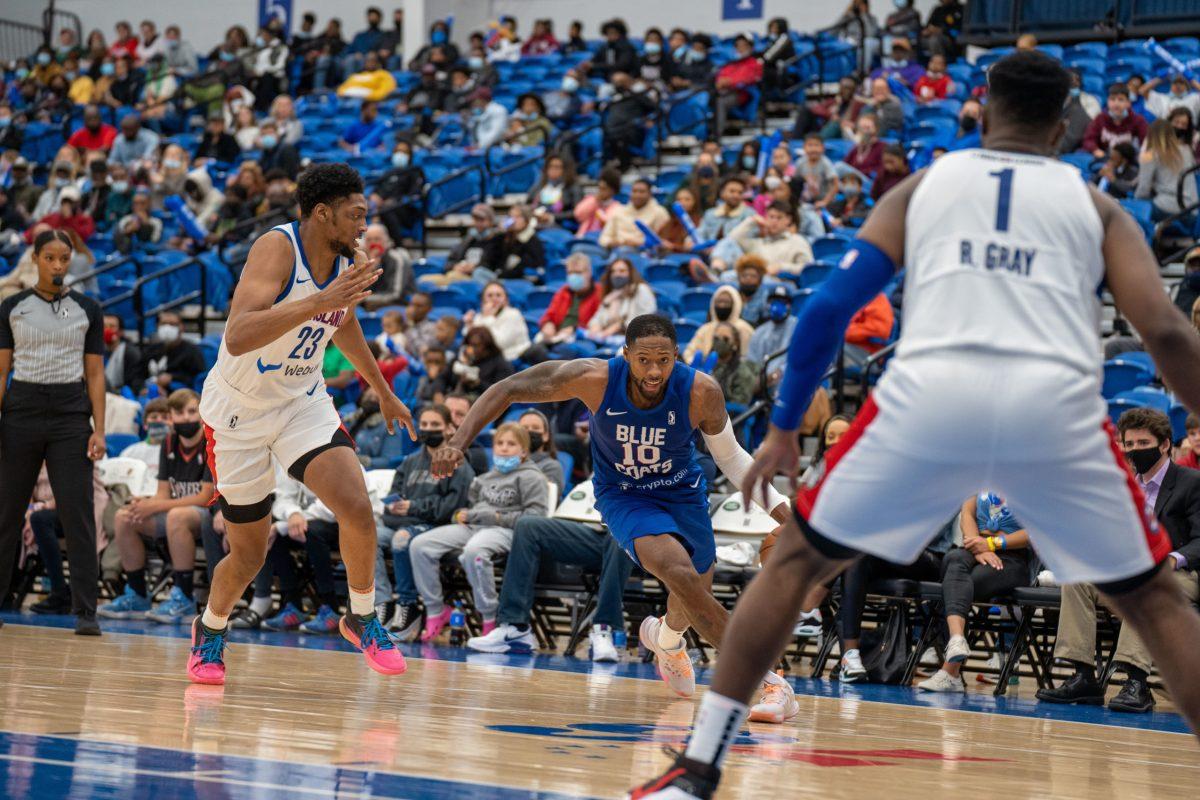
(292, 278)
(304, 260)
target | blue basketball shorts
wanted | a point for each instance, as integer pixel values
(631, 515)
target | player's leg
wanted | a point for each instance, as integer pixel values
(690, 601)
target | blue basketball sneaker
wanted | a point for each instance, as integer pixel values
(288, 619)
(129, 605)
(176, 608)
(326, 621)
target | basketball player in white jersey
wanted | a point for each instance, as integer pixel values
(995, 382)
(266, 396)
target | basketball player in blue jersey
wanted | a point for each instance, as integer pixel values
(266, 396)
(995, 381)
(650, 491)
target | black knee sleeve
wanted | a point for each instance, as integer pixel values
(246, 514)
(825, 546)
(340, 439)
(1126, 585)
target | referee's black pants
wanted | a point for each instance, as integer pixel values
(50, 423)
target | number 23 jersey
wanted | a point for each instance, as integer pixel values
(648, 450)
(289, 367)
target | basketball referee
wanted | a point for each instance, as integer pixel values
(52, 341)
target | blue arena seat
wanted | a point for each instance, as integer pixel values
(829, 248)
(1122, 376)
(814, 274)
(116, 442)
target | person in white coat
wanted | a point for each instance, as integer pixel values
(506, 323)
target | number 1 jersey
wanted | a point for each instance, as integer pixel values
(290, 366)
(649, 450)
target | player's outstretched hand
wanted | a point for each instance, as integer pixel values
(395, 411)
(351, 286)
(779, 453)
(446, 459)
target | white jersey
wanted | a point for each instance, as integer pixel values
(1003, 256)
(290, 366)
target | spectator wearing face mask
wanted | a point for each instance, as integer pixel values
(725, 306)
(694, 67)
(735, 78)
(487, 120)
(204, 201)
(122, 358)
(515, 251)
(180, 55)
(1164, 161)
(884, 107)
(171, 359)
(969, 132)
(737, 376)
(217, 143)
(626, 295)
(773, 336)
(1117, 123)
(415, 504)
(851, 207)
(900, 65)
(616, 54)
(138, 226)
(156, 420)
(275, 153)
(571, 308)
(1180, 94)
(935, 84)
(528, 126)
(557, 191)
(624, 119)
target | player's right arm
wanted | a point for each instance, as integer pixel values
(861, 274)
(548, 382)
(1136, 285)
(254, 319)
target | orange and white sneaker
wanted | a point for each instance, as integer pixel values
(674, 666)
(776, 704)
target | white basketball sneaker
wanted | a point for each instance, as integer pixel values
(674, 666)
(776, 704)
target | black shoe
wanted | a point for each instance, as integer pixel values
(1076, 689)
(406, 622)
(685, 778)
(1134, 698)
(54, 603)
(86, 625)
(245, 619)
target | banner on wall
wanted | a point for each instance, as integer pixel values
(275, 9)
(741, 9)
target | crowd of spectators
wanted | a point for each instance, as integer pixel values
(733, 244)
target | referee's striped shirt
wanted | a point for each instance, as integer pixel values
(50, 337)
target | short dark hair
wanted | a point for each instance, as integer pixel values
(732, 179)
(1128, 151)
(1029, 87)
(783, 207)
(1146, 419)
(54, 235)
(1119, 89)
(645, 181)
(612, 178)
(326, 183)
(437, 408)
(649, 325)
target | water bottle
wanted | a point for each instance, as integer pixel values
(458, 626)
(619, 639)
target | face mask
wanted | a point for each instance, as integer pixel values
(506, 464)
(260, 41)
(1192, 280)
(899, 3)
(22, 74)
(549, 195)
(694, 56)
(173, 44)
(891, 63)
(680, 52)
(1144, 459)
(186, 430)
(570, 84)
(171, 163)
(748, 289)
(1076, 91)
(269, 141)
(399, 159)
(749, 162)
(438, 37)
(111, 335)
(772, 183)
(777, 311)
(722, 347)
(70, 76)
(167, 333)
(1183, 134)
(475, 62)
(156, 432)
(850, 190)
(708, 173)
(369, 408)
(722, 313)
(576, 282)
(43, 58)
(62, 182)
(1118, 115)
(653, 48)
(536, 440)
(432, 439)
(477, 111)
(619, 281)
(969, 124)
(524, 115)
(227, 56)
(5, 121)
(107, 69)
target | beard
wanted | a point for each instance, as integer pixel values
(345, 250)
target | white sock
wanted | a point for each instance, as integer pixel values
(853, 650)
(362, 602)
(717, 724)
(214, 622)
(261, 605)
(669, 639)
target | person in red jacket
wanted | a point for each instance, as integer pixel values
(935, 84)
(1191, 459)
(571, 308)
(869, 329)
(735, 78)
(69, 217)
(1117, 123)
(542, 42)
(95, 133)
(895, 169)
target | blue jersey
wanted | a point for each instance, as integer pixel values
(648, 451)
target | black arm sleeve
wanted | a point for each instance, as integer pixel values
(6, 334)
(93, 340)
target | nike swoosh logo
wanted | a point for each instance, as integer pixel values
(304, 280)
(697, 483)
(310, 391)
(612, 413)
(265, 368)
